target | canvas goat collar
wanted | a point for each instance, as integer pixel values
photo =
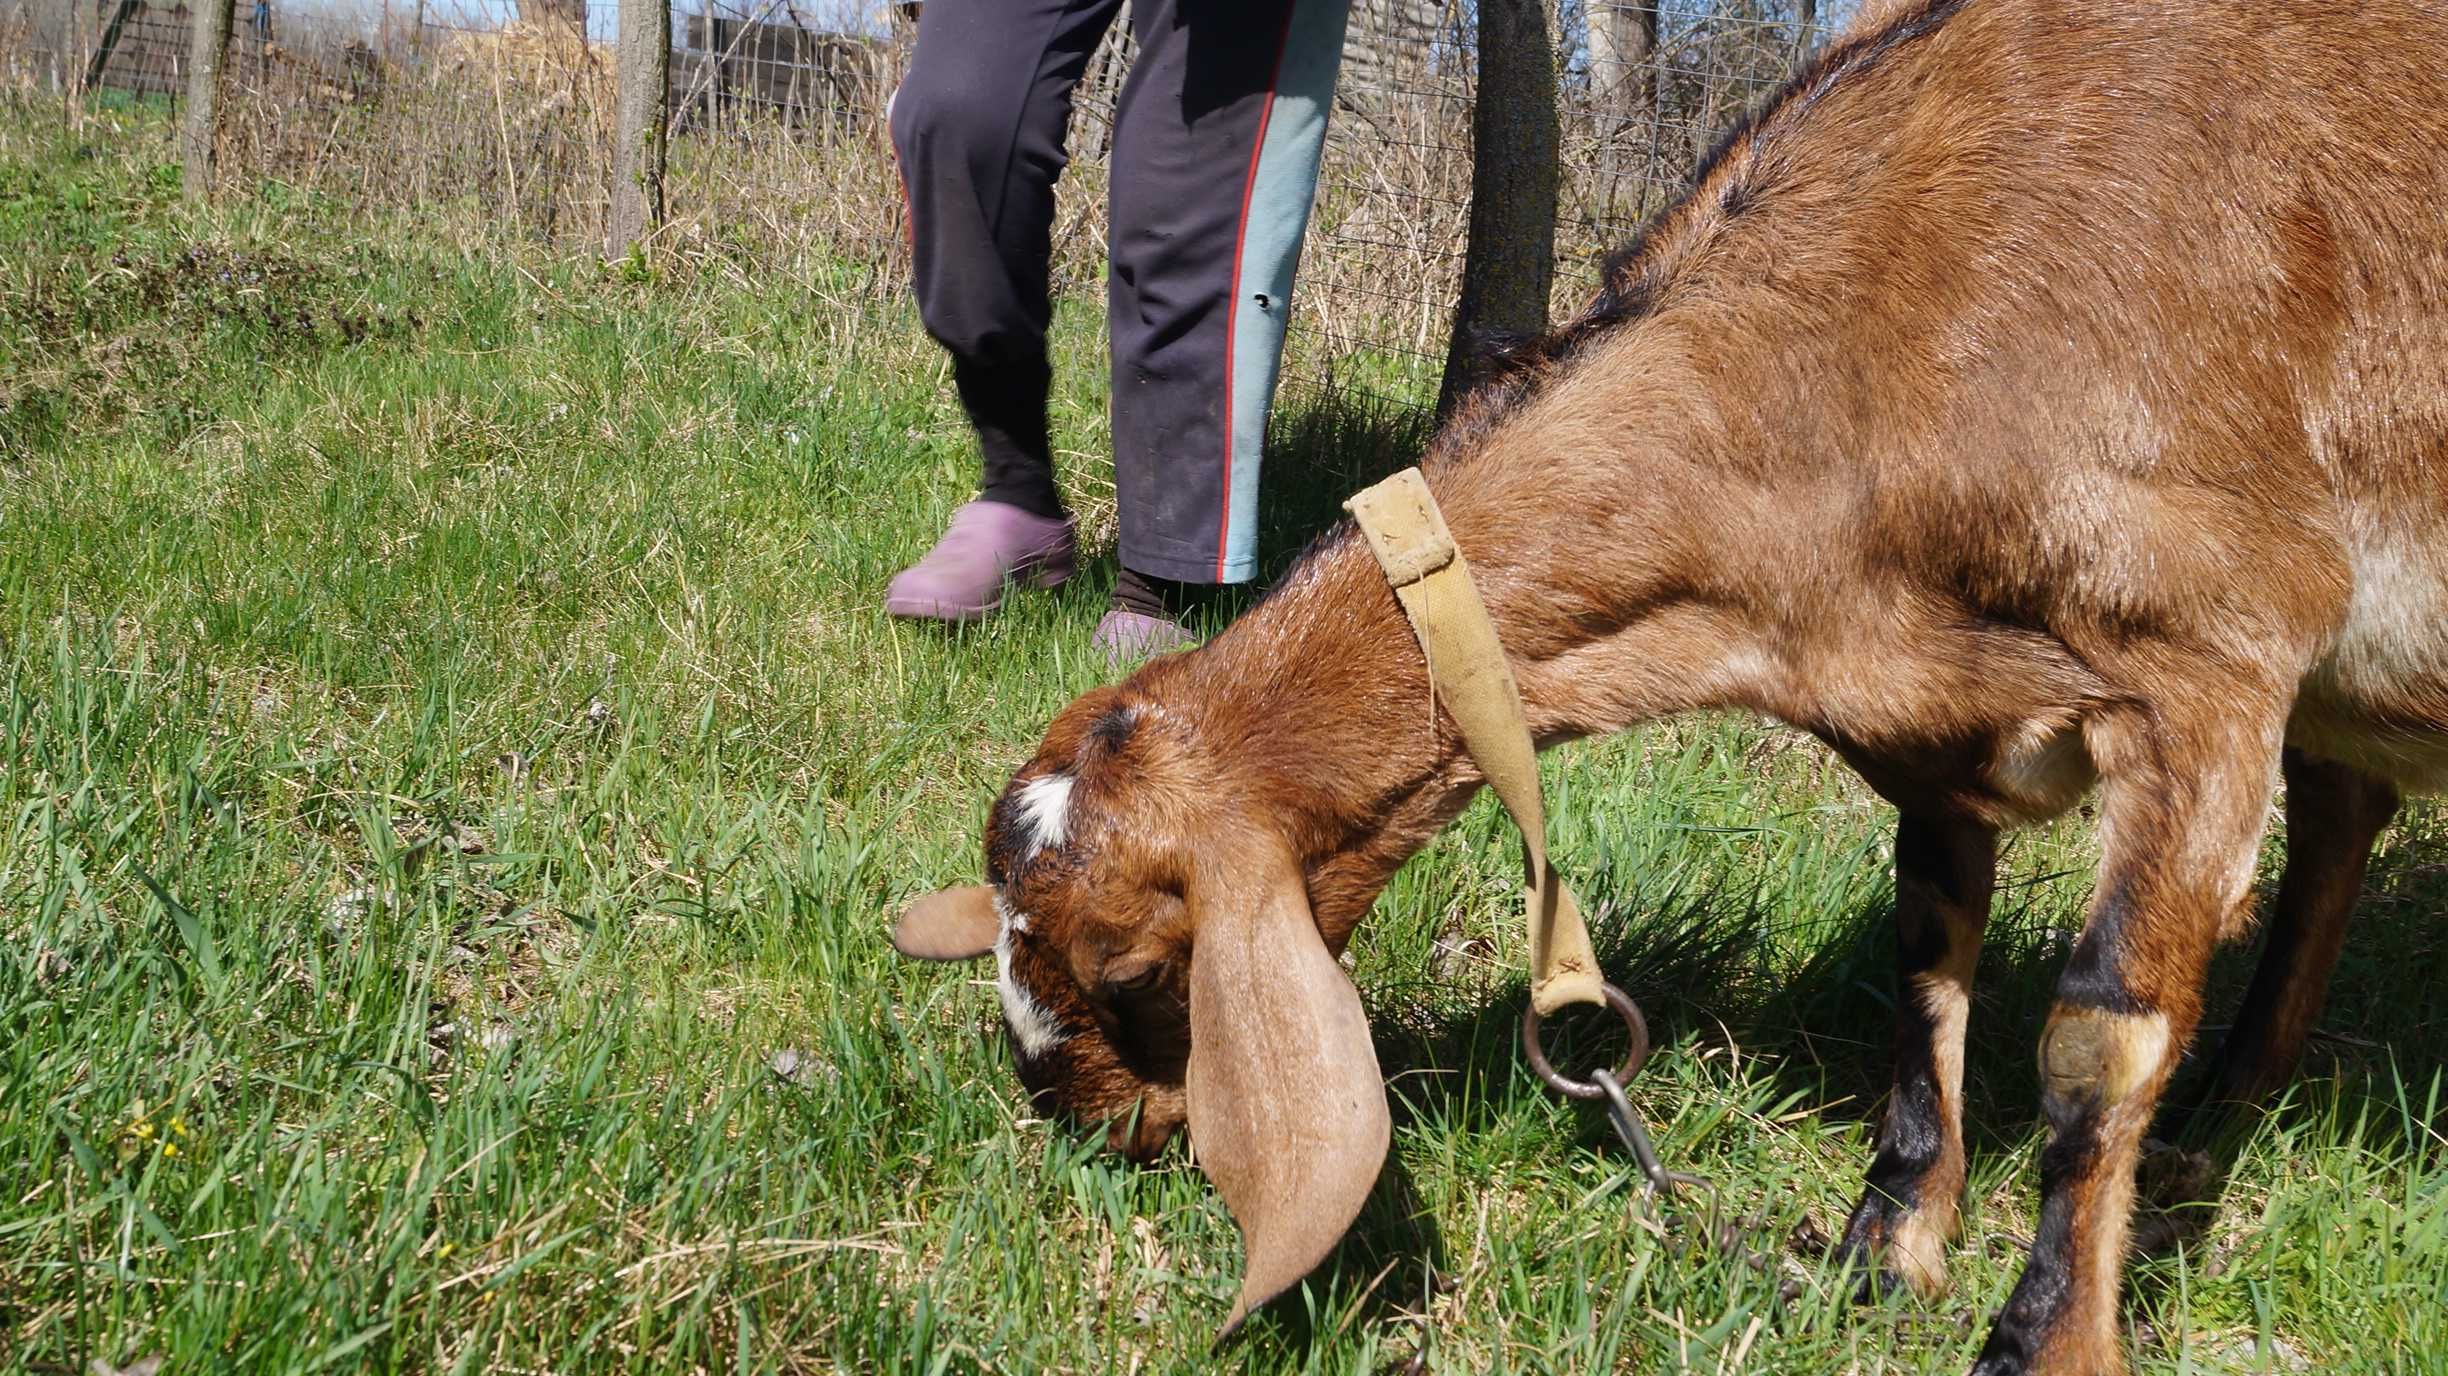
(1467, 669)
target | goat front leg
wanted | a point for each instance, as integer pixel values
(1909, 1210)
(2183, 803)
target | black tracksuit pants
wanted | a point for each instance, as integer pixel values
(1214, 167)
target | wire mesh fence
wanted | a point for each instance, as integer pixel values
(1644, 92)
(135, 47)
(498, 115)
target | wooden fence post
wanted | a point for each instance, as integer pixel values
(198, 144)
(1509, 265)
(640, 118)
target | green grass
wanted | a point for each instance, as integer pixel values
(450, 748)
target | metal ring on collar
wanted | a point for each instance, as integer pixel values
(1634, 1023)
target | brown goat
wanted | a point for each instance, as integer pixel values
(2035, 395)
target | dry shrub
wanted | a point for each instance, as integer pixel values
(513, 125)
(32, 53)
(786, 173)
(806, 187)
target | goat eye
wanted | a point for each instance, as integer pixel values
(1144, 977)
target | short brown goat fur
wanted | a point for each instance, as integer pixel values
(2035, 396)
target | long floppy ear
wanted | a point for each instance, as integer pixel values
(956, 924)
(1287, 1107)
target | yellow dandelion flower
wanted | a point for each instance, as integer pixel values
(169, 1148)
(179, 1126)
(143, 1130)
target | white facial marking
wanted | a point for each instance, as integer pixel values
(1045, 809)
(1031, 1026)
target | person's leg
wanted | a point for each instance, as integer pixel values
(978, 125)
(1215, 165)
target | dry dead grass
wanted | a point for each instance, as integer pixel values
(503, 137)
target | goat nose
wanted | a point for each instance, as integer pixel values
(1140, 1137)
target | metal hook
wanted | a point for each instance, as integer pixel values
(1628, 1127)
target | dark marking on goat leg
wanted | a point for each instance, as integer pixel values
(2100, 1073)
(2334, 813)
(2094, 975)
(1945, 870)
(2176, 858)
(2068, 1172)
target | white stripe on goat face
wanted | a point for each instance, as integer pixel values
(1044, 806)
(1031, 1025)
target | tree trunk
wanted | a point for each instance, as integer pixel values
(1510, 263)
(199, 145)
(109, 44)
(1623, 88)
(639, 121)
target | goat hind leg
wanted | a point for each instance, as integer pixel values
(1909, 1209)
(2334, 813)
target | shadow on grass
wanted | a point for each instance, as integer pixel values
(1335, 442)
(1823, 1026)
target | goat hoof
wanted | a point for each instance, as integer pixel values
(1907, 1255)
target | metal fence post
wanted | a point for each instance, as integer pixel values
(198, 145)
(1509, 266)
(640, 117)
